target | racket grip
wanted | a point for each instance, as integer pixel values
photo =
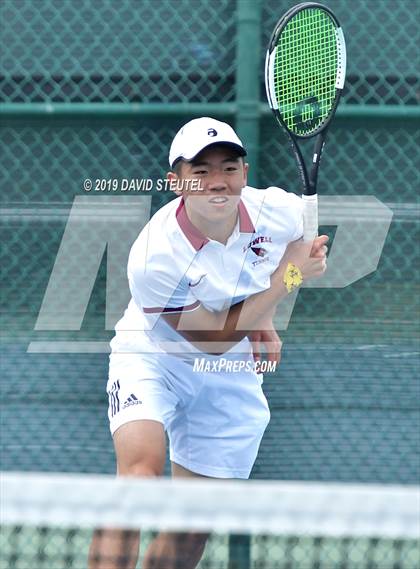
(310, 217)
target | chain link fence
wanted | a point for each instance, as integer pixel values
(96, 90)
(118, 52)
(183, 50)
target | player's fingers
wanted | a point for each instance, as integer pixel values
(322, 239)
(255, 339)
(273, 347)
(320, 267)
(321, 252)
(318, 243)
(274, 355)
(256, 350)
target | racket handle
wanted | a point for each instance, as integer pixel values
(310, 217)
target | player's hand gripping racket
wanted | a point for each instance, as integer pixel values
(305, 70)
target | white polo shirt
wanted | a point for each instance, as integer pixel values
(173, 267)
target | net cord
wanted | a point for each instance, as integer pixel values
(246, 507)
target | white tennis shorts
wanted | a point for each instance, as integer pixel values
(215, 414)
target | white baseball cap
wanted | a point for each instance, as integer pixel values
(200, 133)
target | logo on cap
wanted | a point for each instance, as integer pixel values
(212, 132)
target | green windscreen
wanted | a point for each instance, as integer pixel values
(305, 69)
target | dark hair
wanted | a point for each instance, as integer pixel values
(177, 165)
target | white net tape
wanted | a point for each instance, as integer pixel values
(246, 507)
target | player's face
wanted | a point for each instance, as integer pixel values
(219, 174)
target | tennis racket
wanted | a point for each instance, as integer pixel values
(305, 70)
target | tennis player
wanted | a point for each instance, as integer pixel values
(205, 274)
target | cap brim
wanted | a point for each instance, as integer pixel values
(239, 149)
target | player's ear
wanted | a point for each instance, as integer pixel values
(174, 178)
(246, 168)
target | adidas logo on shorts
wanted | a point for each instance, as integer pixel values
(132, 400)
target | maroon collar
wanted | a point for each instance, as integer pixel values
(245, 222)
(196, 237)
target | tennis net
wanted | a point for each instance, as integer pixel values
(47, 521)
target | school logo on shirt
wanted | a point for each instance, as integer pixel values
(254, 245)
(259, 251)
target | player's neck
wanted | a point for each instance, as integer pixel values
(218, 230)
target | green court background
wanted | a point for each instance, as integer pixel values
(97, 89)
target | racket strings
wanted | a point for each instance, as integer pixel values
(305, 70)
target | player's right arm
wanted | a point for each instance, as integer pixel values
(213, 332)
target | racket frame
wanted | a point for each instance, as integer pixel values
(309, 180)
